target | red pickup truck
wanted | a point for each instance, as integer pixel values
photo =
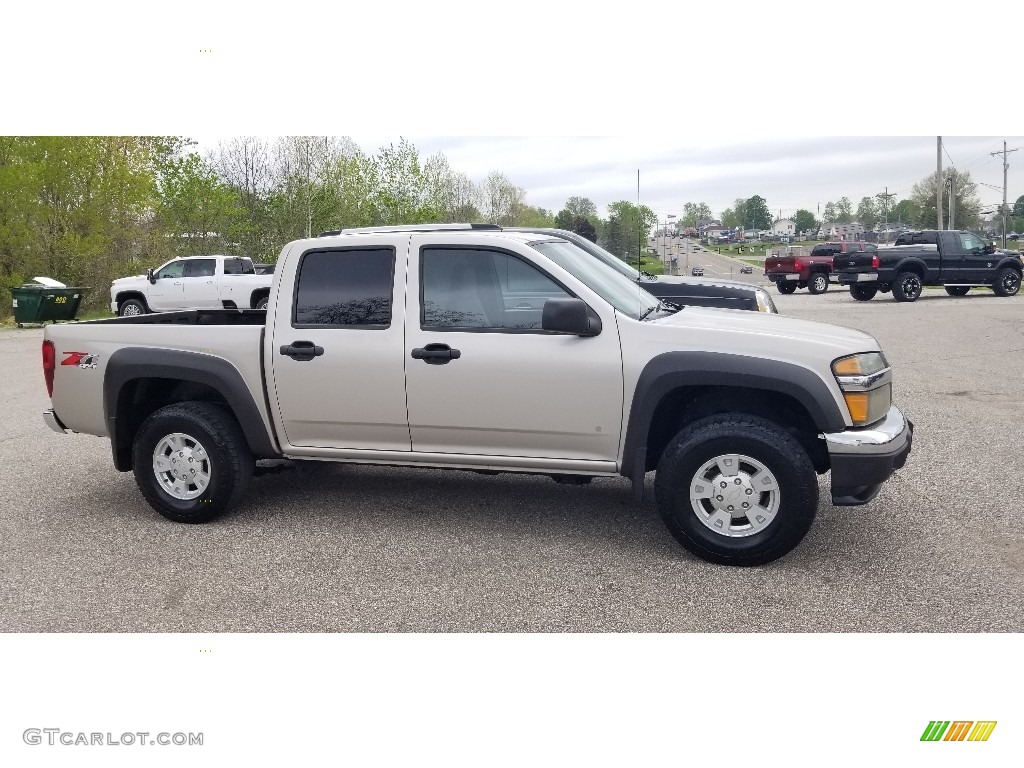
(795, 269)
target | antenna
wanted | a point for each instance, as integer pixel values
(639, 308)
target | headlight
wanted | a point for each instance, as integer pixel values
(866, 383)
(764, 302)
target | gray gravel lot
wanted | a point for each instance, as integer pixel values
(351, 548)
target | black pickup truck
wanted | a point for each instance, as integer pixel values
(954, 259)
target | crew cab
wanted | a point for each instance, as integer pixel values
(793, 269)
(468, 347)
(954, 259)
(193, 282)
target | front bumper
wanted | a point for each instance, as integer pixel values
(863, 459)
(51, 420)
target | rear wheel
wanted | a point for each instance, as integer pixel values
(736, 490)
(192, 461)
(262, 303)
(818, 283)
(957, 290)
(785, 286)
(907, 286)
(863, 292)
(1007, 282)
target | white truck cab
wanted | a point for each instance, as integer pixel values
(192, 282)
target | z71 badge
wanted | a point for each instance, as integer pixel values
(81, 359)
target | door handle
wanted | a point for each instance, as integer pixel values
(301, 350)
(177, 282)
(436, 354)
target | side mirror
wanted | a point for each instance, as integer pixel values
(570, 316)
(990, 249)
(149, 276)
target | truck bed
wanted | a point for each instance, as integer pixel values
(193, 317)
(84, 350)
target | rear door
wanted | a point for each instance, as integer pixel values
(514, 389)
(337, 351)
(200, 284)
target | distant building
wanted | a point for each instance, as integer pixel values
(831, 230)
(785, 227)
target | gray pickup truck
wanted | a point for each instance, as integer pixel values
(490, 351)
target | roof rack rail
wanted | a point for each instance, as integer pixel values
(413, 228)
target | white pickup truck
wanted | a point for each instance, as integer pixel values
(468, 347)
(193, 282)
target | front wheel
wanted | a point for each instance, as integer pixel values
(957, 290)
(131, 308)
(863, 292)
(735, 489)
(262, 303)
(1007, 282)
(786, 286)
(907, 287)
(192, 461)
(818, 283)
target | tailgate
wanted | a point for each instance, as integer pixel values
(860, 261)
(779, 264)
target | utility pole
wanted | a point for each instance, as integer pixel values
(938, 180)
(1006, 167)
(885, 207)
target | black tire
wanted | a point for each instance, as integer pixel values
(863, 292)
(132, 308)
(749, 436)
(907, 287)
(957, 290)
(262, 302)
(785, 286)
(818, 283)
(1007, 282)
(230, 466)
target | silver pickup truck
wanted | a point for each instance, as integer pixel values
(468, 347)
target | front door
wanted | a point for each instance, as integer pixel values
(337, 351)
(977, 266)
(166, 291)
(509, 387)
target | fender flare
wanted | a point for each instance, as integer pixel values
(131, 363)
(672, 370)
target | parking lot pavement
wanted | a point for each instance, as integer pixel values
(342, 548)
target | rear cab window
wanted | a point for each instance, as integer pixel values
(345, 288)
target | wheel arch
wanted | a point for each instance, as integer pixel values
(139, 381)
(258, 294)
(678, 387)
(912, 265)
(124, 296)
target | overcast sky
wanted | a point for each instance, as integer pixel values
(789, 173)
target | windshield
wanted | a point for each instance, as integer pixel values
(617, 288)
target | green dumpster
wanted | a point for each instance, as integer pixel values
(36, 303)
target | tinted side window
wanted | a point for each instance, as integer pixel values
(926, 238)
(201, 268)
(345, 288)
(470, 288)
(238, 267)
(903, 240)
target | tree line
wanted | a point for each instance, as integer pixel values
(916, 210)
